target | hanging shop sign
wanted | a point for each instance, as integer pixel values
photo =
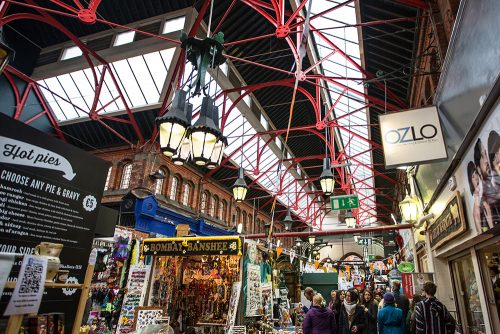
(412, 137)
(192, 246)
(450, 224)
(345, 202)
(48, 193)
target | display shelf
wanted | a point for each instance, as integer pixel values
(12, 285)
(207, 324)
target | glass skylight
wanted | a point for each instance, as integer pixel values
(124, 38)
(141, 80)
(71, 52)
(355, 124)
(172, 25)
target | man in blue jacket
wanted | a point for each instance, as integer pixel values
(390, 318)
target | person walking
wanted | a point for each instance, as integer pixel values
(431, 316)
(333, 300)
(309, 294)
(319, 319)
(402, 302)
(371, 310)
(390, 318)
(410, 318)
(352, 315)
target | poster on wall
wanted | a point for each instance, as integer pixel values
(482, 169)
(267, 299)
(419, 279)
(48, 193)
(412, 137)
(254, 297)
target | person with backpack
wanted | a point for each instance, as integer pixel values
(431, 316)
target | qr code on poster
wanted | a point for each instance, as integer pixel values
(32, 278)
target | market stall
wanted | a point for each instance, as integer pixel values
(195, 281)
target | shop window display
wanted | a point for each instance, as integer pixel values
(468, 295)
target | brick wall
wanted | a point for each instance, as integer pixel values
(145, 163)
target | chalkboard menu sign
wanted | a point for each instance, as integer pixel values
(50, 191)
(449, 224)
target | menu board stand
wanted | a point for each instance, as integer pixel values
(15, 321)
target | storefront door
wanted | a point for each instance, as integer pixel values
(489, 259)
(467, 296)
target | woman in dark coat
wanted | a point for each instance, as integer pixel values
(352, 315)
(371, 310)
(319, 319)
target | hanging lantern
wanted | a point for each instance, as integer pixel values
(221, 143)
(204, 134)
(239, 229)
(326, 178)
(288, 221)
(312, 239)
(409, 209)
(174, 124)
(6, 52)
(182, 154)
(240, 187)
(298, 242)
(184, 150)
(349, 219)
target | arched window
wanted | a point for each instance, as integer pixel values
(204, 202)
(251, 228)
(186, 192)
(159, 182)
(108, 178)
(222, 210)
(173, 188)
(237, 220)
(244, 221)
(126, 174)
(257, 225)
(213, 205)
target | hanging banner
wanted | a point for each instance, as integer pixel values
(407, 283)
(29, 288)
(412, 137)
(50, 191)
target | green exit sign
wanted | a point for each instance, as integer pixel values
(344, 202)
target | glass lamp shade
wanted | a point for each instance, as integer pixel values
(174, 124)
(326, 178)
(205, 133)
(409, 209)
(349, 219)
(240, 187)
(182, 154)
(217, 153)
(6, 52)
(298, 242)
(288, 221)
(312, 239)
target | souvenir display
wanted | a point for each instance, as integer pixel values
(253, 291)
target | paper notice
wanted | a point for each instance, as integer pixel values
(28, 292)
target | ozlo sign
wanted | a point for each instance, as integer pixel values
(412, 137)
(410, 134)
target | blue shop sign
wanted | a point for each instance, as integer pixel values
(151, 217)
